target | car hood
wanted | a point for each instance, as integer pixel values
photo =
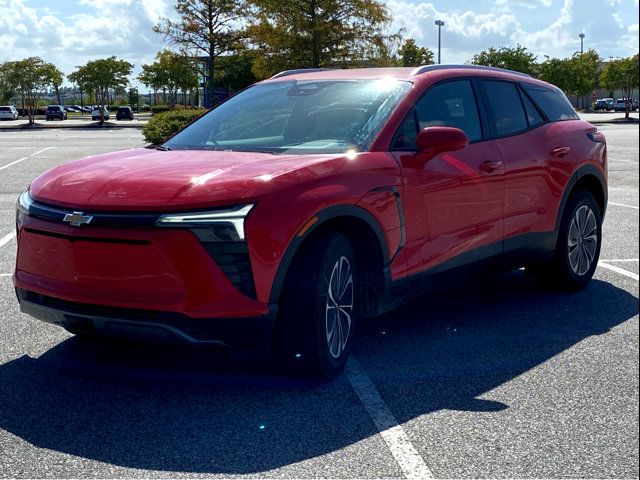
(146, 179)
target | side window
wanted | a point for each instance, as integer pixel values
(533, 115)
(552, 102)
(449, 104)
(506, 107)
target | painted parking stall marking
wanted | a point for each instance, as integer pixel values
(394, 436)
(24, 158)
(619, 270)
(7, 238)
(623, 205)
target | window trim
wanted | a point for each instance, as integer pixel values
(543, 115)
(480, 106)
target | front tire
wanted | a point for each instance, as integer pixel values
(319, 308)
(578, 246)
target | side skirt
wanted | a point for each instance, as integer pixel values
(489, 260)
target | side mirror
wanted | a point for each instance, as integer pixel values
(434, 140)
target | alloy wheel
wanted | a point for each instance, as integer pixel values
(582, 240)
(339, 307)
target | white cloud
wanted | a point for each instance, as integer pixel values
(106, 27)
(553, 29)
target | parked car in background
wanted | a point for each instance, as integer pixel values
(124, 113)
(621, 105)
(95, 113)
(610, 103)
(311, 201)
(602, 104)
(70, 108)
(56, 111)
(86, 109)
(8, 112)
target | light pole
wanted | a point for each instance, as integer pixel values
(440, 24)
(581, 43)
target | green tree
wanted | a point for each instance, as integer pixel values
(518, 58)
(7, 89)
(206, 28)
(56, 77)
(556, 71)
(235, 72)
(170, 71)
(583, 68)
(413, 56)
(31, 78)
(98, 76)
(622, 75)
(317, 33)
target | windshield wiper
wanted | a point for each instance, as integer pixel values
(162, 148)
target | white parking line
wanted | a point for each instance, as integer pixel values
(623, 205)
(6, 275)
(403, 451)
(619, 270)
(24, 158)
(620, 260)
(7, 238)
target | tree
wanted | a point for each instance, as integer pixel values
(518, 58)
(98, 76)
(31, 78)
(235, 72)
(622, 75)
(206, 28)
(172, 72)
(317, 33)
(7, 90)
(556, 71)
(584, 73)
(56, 77)
(413, 56)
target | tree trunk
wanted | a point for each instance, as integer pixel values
(315, 48)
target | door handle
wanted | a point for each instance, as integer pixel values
(490, 166)
(561, 152)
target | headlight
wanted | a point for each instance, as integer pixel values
(22, 208)
(232, 217)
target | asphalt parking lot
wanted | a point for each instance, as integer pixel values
(498, 378)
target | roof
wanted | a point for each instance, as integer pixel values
(400, 73)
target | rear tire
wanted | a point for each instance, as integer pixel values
(318, 311)
(578, 246)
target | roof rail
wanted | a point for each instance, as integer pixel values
(286, 73)
(431, 68)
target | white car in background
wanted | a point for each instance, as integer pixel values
(95, 113)
(8, 112)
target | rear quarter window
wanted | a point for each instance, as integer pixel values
(553, 103)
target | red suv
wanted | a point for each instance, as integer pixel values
(311, 200)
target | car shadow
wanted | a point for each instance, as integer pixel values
(194, 411)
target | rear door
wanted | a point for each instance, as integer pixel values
(536, 152)
(454, 203)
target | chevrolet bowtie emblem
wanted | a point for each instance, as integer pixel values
(77, 218)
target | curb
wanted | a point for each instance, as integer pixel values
(92, 126)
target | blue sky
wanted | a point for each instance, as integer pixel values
(70, 32)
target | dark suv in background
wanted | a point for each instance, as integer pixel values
(124, 113)
(56, 111)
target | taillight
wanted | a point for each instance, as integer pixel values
(597, 137)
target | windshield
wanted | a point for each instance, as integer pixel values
(329, 116)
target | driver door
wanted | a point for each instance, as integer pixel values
(454, 202)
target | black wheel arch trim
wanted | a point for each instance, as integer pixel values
(581, 172)
(324, 216)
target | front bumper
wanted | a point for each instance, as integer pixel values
(166, 327)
